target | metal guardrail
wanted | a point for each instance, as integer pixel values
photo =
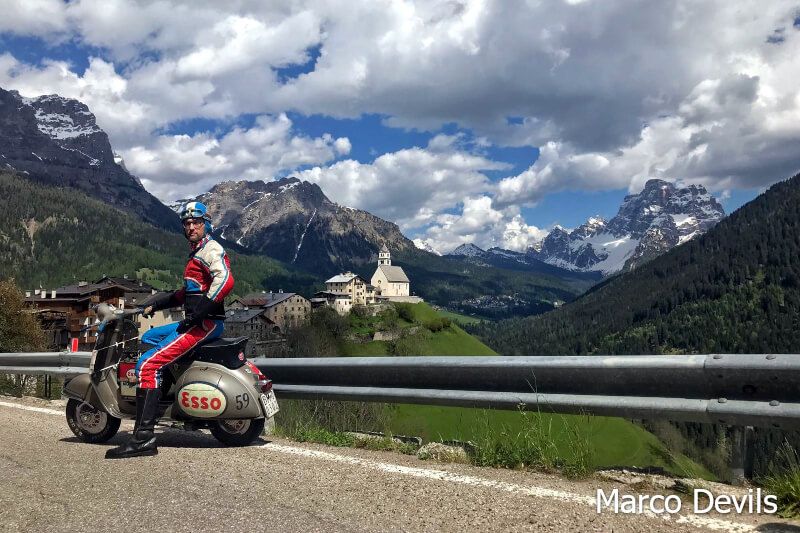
(760, 390)
(64, 364)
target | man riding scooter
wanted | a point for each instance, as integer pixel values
(207, 279)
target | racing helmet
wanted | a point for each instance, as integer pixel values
(197, 210)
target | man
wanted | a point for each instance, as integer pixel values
(207, 280)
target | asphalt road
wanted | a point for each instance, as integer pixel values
(50, 481)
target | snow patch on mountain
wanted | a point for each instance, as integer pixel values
(59, 126)
(662, 216)
(426, 246)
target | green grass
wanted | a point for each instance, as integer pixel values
(367, 349)
(452, 341)
(614, 441)
(573, 444)
(449, 341)
(456, 317)
(455, 341)
(783, 481)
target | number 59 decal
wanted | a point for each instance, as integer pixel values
(242, 401)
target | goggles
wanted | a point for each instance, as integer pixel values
(192, 213)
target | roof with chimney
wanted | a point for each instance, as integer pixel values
(265, 299)
(79, 292)
(241, 316)
(131, 284)
(345, 278)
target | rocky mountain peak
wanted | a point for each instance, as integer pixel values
(647, 224)
(468, 250)
(589, 228)
(293, 221)
(57, 141)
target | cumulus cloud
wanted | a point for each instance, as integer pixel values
(178, 166)
(726, 133)
(612, 92)
(482, 225)
(411, 186)
(34, 17)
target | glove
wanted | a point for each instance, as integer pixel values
(184, 326)
(157, 301)
(201, 311)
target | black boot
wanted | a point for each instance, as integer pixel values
(143, 440)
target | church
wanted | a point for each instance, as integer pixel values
(389, 280)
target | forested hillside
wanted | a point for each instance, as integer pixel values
(54, 236)
(736, 289)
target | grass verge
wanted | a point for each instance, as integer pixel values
(536, 444)
(783, 481)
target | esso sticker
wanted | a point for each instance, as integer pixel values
(131, 374)
(202, 400)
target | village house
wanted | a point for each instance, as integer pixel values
(66, 311)
(360, 291)
(136, 293)
(338, 301)
(285, 309)
(69, 309)
(263, 334)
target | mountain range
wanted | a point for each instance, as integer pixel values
(648, 224)
(732, 290)
(56, 141)
(293, 221)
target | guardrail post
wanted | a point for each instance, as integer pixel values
(741, 454)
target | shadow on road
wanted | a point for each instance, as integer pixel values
(170, 438)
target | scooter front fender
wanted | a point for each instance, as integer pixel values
(80, 388)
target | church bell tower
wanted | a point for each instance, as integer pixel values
(384, 256)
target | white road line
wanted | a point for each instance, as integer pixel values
(35, 409)
(537, 492)
(442, 475)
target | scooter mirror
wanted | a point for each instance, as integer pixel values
(105, 312)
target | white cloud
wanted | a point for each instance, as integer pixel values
(178, 166)
(613, 92)
(33, 17)
(409, 187)
(480, 224)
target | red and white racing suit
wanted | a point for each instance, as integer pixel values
(207, 279)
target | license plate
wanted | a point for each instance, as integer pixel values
(270, 404)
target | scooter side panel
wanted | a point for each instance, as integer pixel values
(240, 386)
(211, 391)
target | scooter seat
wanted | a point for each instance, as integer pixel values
(226, 352)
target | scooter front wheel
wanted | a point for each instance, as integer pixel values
(89, 423)
(239, 432)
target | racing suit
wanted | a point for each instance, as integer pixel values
(207, 279)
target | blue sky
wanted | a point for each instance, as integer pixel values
(461, 121)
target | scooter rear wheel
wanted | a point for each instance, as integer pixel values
(89, 423)
(237, 432)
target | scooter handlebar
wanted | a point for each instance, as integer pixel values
(107, 313)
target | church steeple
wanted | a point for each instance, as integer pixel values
(384, 256)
